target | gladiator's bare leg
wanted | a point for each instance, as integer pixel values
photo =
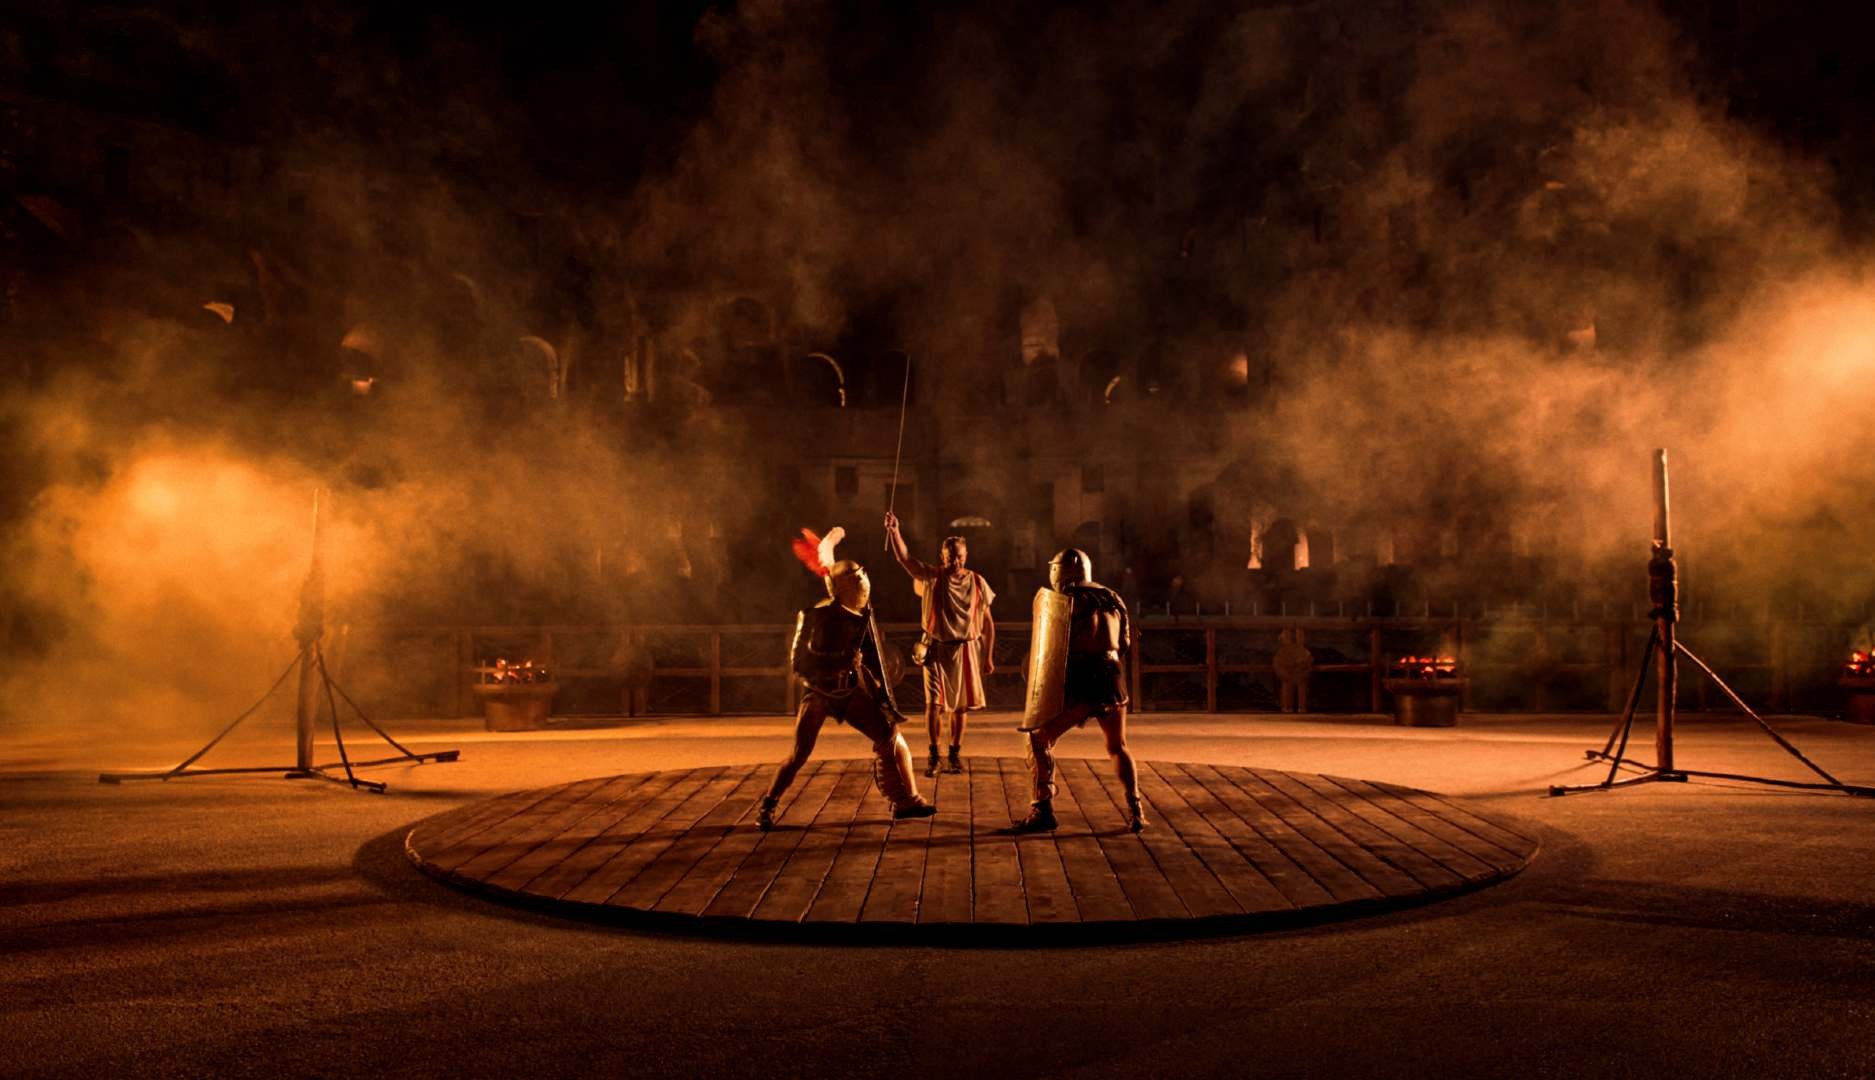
(958, 717)
(1113, 726)
(933, 717)
(807, 724)
(894, 769)
(1042, 750)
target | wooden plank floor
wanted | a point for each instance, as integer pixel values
(1227, 848)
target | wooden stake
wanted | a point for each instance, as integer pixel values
(304, 705)
(1664, 618)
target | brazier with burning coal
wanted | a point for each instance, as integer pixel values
(515, 697)
(1858, 688)
(1427, 691)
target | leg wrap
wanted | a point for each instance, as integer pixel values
(889, 773)
(1041, 766)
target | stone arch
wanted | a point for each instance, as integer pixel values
(1279, 544)
(973, 513)
(1039, 330)
(538, 362)
(970, 502)
(820, 379)
(1387, 545)
(1105, 377)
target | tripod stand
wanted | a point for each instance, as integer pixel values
(1663, 649)
(313, 679)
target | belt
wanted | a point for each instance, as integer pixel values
(836, 682)
(1108, 654)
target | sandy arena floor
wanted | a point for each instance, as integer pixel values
(253, 926)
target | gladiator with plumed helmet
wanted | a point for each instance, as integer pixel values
(836, 656)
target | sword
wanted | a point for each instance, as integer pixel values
(904, 396)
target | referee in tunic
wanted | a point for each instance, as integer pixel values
(957, 641)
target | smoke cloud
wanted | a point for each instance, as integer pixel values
(1446, 268)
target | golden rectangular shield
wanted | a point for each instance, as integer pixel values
(1047, 669)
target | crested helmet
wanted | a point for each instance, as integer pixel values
(1070, 566)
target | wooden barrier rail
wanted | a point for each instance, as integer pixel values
(1210, 664)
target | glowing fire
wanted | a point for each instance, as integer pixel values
(1861, 665)
(523, 672)
(1427, 667)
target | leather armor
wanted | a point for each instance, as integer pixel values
(836, 651)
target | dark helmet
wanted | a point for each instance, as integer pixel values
(1070, 566)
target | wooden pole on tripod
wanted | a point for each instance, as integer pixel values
(309, 629)
(1666, 613)
(302, 712)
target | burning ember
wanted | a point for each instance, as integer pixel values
(1861, 665)
(1426, 667)
(523, 672)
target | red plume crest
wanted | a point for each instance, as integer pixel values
(807, 549)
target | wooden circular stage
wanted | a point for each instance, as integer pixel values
(1228, 849)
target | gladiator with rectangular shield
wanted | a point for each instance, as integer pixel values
(1077, 672)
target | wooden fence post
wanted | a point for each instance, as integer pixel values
(1376, 669)
(716, 672)
(1210, 669)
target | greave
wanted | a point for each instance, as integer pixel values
(891, 771)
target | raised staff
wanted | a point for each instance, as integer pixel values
(959, 637)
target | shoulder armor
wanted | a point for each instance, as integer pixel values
(1096, 597)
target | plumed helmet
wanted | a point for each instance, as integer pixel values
(848, 584)
(846, 580)
(1070, 566)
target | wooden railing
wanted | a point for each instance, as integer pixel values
(1208, 664)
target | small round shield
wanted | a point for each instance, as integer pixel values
(1293, 661)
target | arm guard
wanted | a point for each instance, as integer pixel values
(797, 649)
(1126, 627)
